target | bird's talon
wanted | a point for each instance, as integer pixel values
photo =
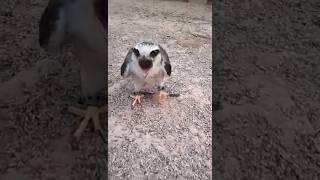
(91, 113)
(163, 94)
(136, 98)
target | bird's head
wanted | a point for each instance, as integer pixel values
(146, 54)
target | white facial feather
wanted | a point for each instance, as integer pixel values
(155, 76)
(145, 49)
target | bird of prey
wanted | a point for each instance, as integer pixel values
(83, 23)
(149, 66)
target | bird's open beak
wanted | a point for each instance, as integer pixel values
(145, 64)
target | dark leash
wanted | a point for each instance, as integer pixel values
(151, 94)
(174, 95)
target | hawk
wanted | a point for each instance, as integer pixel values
(149, 66)
(84, 24)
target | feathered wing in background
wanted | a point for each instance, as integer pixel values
(84, 22)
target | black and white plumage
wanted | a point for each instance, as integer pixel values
(148, 66)
(83, 23)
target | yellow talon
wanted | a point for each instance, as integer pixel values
(137, 98)
(163, 94)
(91, 113)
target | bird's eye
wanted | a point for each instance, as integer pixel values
(136, 52)
(154, 53)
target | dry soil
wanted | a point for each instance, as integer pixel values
(151, 141)
(170, 140)
(266, 76)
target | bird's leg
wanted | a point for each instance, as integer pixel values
(92, 82)
(137, 95)
(162, 92)
(91, 113)
(137, 98)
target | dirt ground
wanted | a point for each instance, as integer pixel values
(266, 76)
(170, 140)
(266, 79)
(151, 141)
(35, 91)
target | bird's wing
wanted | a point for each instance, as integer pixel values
(165, 60)
(52, 26)
(100, 7)
(125, 65)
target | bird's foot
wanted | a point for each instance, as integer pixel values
(91, 113)
(162, 94)
(137, 98)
